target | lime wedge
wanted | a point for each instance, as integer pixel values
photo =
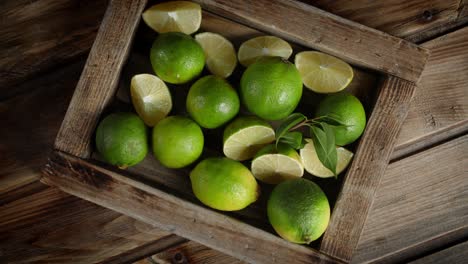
(176, 16)
(323, 73)
(274, 165)
(263, 46)
(314, 166)
(150, 97)
(219, 53)
(245, 136)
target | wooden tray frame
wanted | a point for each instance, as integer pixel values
(71, 169)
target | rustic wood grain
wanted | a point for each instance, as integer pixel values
(51, 226)
(415, 20)
(454, 254)
(44, 125)
(36, 36)
(439, 110)
(84, 111)
(363, 176)
(29, 125)
(421, 200)
(42, 224)
(55, 32)
(150, 205)
(159, 244)
(192, 252)
(100, 76)
(312, 27)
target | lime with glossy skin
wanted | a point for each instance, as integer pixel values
(212, 101)
(176, 57)
(349, 110)
(177, 141)
(271, 88)
(224, 184)
(121, 139)
(298, 210)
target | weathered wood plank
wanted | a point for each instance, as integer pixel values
(146, 250)
(363, 177)
(54, 227)
(421, 200)
(59, 34)
(38, 35)
(192, 252)
(312, 27)
(100, 76)
(173, 214)
(42, 224)
(29, 125)
(440, 106)
(46, 128)
(414, 20)
(454, 254)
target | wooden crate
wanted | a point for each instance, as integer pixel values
(163, 197)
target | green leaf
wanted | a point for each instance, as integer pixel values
(323, 137)
(288, 123)
(332, 120)
(293, 139)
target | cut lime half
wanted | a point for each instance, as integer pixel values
(264, 46)
(314, 166)
(323, 73)
(274, 165)
(175, 16)
(151, 98)
(219, 53)
(245, 136)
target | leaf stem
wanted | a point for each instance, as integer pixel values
(298, 125)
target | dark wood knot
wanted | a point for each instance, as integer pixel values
(428, 15)
(179, 258)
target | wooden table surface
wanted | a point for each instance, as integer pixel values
(420, 213)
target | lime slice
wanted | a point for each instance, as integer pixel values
(245, 136)
(176, 16)
(219, 53)
(314, 166)
(263, 46)
(274, 165)
(323, 73)
(150, 97)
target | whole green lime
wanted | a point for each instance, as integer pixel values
(347, 109)
(177, 141)
(176, 57)
(121, 139)
(212, 101)
(271, 88)
(224, 184)
(298, 210)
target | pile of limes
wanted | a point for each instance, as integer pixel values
(270, 89)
